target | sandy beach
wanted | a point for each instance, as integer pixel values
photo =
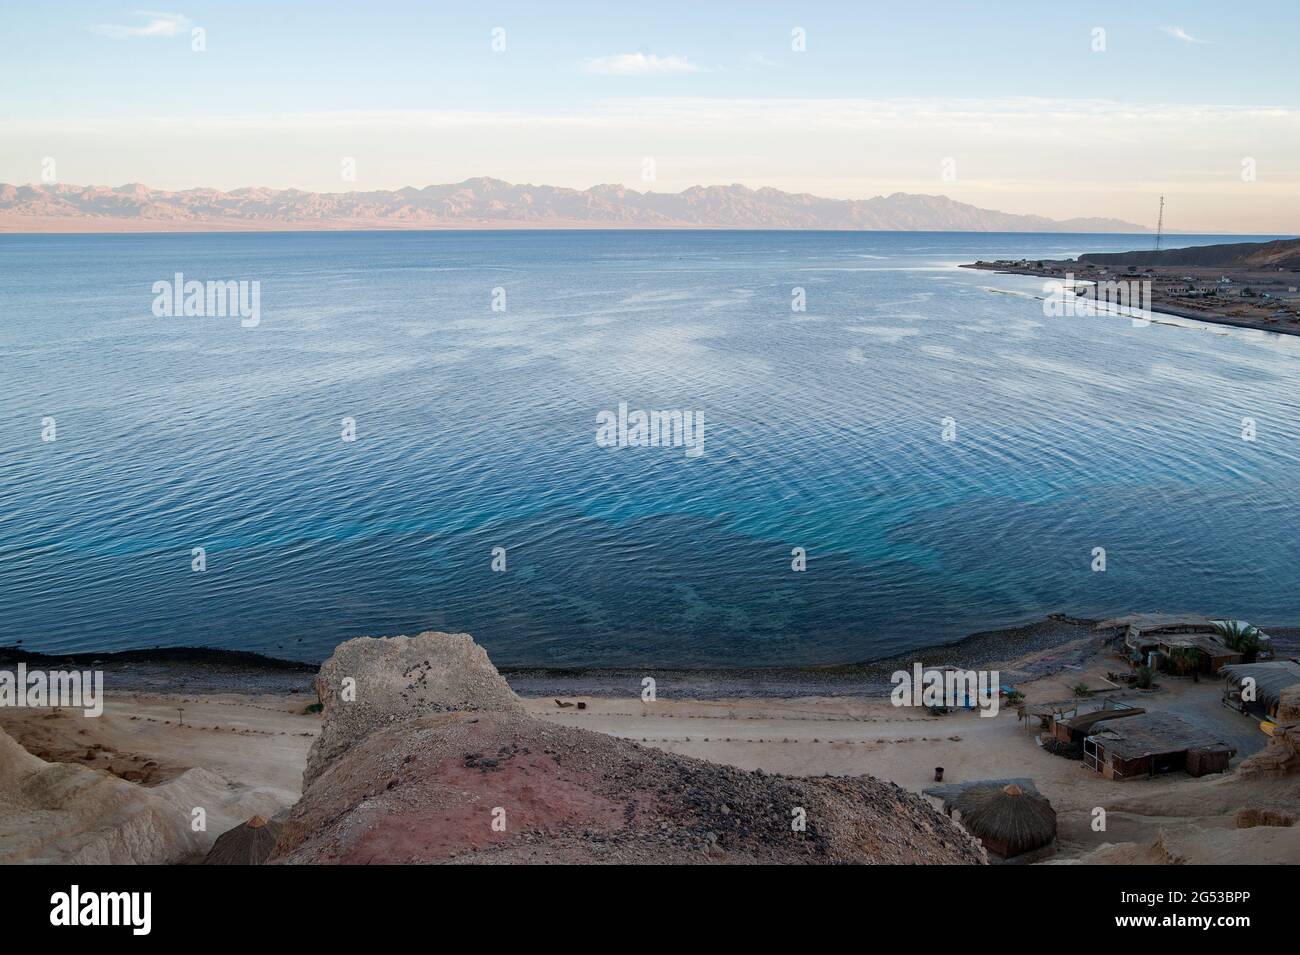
(164, 722)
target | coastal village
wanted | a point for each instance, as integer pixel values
(1148, 738)
(1238, 290)
(1243, 701)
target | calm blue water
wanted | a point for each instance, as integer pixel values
(476, 429)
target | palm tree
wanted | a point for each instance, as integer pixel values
(1185, 660)
(1242, 637)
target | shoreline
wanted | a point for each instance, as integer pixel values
(207, 669)
(1161, 302)
(980, 650)
(234, 732)
(1025, 653)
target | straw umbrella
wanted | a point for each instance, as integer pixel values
(1009, 820)
(956, 797)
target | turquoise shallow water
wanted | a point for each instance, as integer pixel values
(476, 429)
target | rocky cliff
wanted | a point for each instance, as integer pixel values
(434, 761)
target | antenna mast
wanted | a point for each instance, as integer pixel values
(1160, 223)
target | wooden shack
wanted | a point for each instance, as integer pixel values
(1209, 759)
(1150, 745)
(1155, 639)
(1073, 727)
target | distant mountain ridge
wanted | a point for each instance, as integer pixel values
(493, 203)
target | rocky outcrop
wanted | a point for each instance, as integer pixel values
(1280, 757)
(1193, 845)
(441, 764)
(1252, 816)
(1278, 254)
(501, 787)
(70, 814)
(1288, 705)
(369, 684)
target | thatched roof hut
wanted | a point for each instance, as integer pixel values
(1271, 679)
(1009, 820)
(247, 844)
(961, 796)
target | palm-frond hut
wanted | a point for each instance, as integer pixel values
(958, 797)
(1009, 816)
(1270, 680)
(247, 844)
(1010, 821)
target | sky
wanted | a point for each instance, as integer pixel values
(1053, 109)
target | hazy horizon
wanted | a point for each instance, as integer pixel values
(1126, 105)
(69, 223)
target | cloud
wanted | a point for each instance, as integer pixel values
(1178, 33)
(155, 24)
(1048, 120)
(638, 64)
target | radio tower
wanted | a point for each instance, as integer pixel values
(1160, 223)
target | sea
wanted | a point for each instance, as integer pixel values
(405, 434)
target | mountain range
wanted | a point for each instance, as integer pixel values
(491, 203)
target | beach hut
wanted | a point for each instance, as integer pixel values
(1151, 744)
(1071, 726)
(1268, 681)
(1013, 821)
(955, 797)
(1159, 639)
(1207, 652)
(247, 844)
